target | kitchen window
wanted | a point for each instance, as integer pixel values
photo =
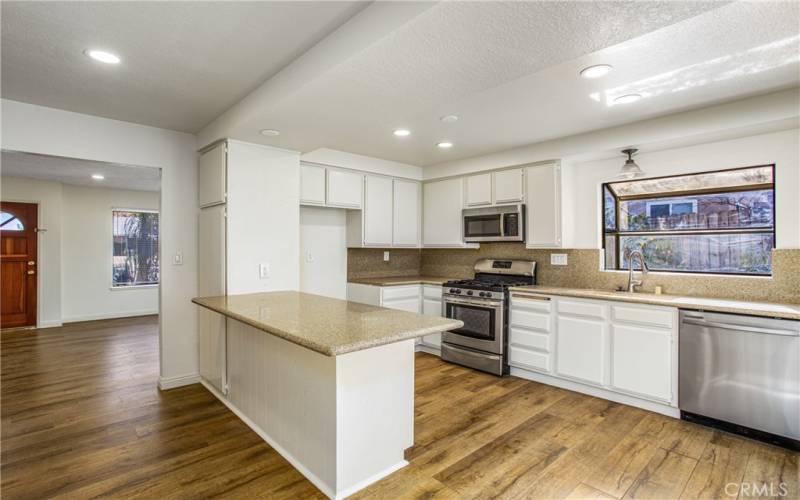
(135, 248)
(712, 222)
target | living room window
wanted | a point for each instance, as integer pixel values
(135, 248)
(712, 222)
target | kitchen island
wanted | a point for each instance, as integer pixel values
(328, 383)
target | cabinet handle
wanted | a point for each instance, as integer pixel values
(525, 296)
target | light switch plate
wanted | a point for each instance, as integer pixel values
(263, 271)
(177, 259)
(309, 257)
(558, 259)
(386, 256)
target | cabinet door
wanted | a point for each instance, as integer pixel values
(312, 185)
(641, 361)
(544, 206)
(442, 204)
(211, 176)
(211, 347)
(410, 305)
(432, 307)
(479, 190)
(378, 211)
(211, 251)
(580, 349)
(406, 213)
(508, 186)
(344, 188)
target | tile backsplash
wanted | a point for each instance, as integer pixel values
(582, 271)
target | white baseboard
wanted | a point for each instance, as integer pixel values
(113, 315)
(49, 324)
(166, 383)
(372, 479)
(663, 409)
(323, 487)
(422, 347)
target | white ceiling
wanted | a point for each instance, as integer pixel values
(183, 63)
(79, 172)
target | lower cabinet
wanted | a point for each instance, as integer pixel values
(211, 343)
(432, 306)
(629, 349)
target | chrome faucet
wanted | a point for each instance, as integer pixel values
(632, 283)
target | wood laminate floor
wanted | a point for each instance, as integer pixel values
(82, 417)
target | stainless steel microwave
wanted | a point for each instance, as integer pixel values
(503, 223)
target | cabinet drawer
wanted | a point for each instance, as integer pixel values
(525, 338)
(399, 292)
(410, 305)
(432, 292)
(652, 316)
(531, 301)
(530, 319)
(529, 359)
(581, 308)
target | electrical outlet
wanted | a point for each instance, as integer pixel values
(309, 257)
(386, 256)
(177, 259)
(263, 271)
(558, 259)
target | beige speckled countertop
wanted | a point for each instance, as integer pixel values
(323, 324)
(401, 280)
(768, 309)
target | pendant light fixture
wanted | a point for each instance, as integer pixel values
(630, 170)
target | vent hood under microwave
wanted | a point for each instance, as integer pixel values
(503, 223)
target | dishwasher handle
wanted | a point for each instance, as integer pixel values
(745, 328)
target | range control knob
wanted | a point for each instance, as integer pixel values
(452, 290)
(469, 292)
(484, 294)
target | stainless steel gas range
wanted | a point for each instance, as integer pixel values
(482, 304)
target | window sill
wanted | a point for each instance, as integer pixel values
(691, 275)
(132, 287)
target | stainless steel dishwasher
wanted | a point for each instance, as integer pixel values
(742, 374)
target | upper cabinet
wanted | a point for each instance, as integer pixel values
(377, 213)
(312, 185)
(344, 188)
(543, 206)
(442, 202)
(211, 176)
(330, 187)
(478, 190)
(508, 186)
(405, 212)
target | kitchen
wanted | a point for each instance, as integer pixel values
(598, 310)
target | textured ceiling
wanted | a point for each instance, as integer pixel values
(183, 63)
(79, 172)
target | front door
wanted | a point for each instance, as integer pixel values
(18, 263)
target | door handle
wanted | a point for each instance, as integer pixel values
(31, 271)
(31, 263)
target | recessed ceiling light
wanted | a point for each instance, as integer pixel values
(270, 132)
(627, 99)
(445, 145)
(596, 71)
(98, 177)
(449, 118)
(402, 132)
(102, 56)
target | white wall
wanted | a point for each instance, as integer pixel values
(48, 195)
(263, 218)
(323, 238)
(581, 181)
(86, 292)
(38, 129)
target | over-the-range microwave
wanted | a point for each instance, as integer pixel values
(503, 223)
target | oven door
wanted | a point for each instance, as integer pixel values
(483, 323)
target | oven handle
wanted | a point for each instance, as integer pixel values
(487, 304)
(526, 296)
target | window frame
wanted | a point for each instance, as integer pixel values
(686, 232)
(114, 287)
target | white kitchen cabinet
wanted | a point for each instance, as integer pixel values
(432, 306)
(406, 214)
(344, 189)
(478, 190)
(543, 204)
(530, 341)
(581, 348)
(641, 361)
(211, 281)
(312, 185)
(212, 171)
(377, 212)
(508, 186)
(442, 202)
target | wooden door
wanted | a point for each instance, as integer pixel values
(18, 263)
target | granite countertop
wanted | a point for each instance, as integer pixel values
(326, 325)
(401, 280)
(767, 309)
